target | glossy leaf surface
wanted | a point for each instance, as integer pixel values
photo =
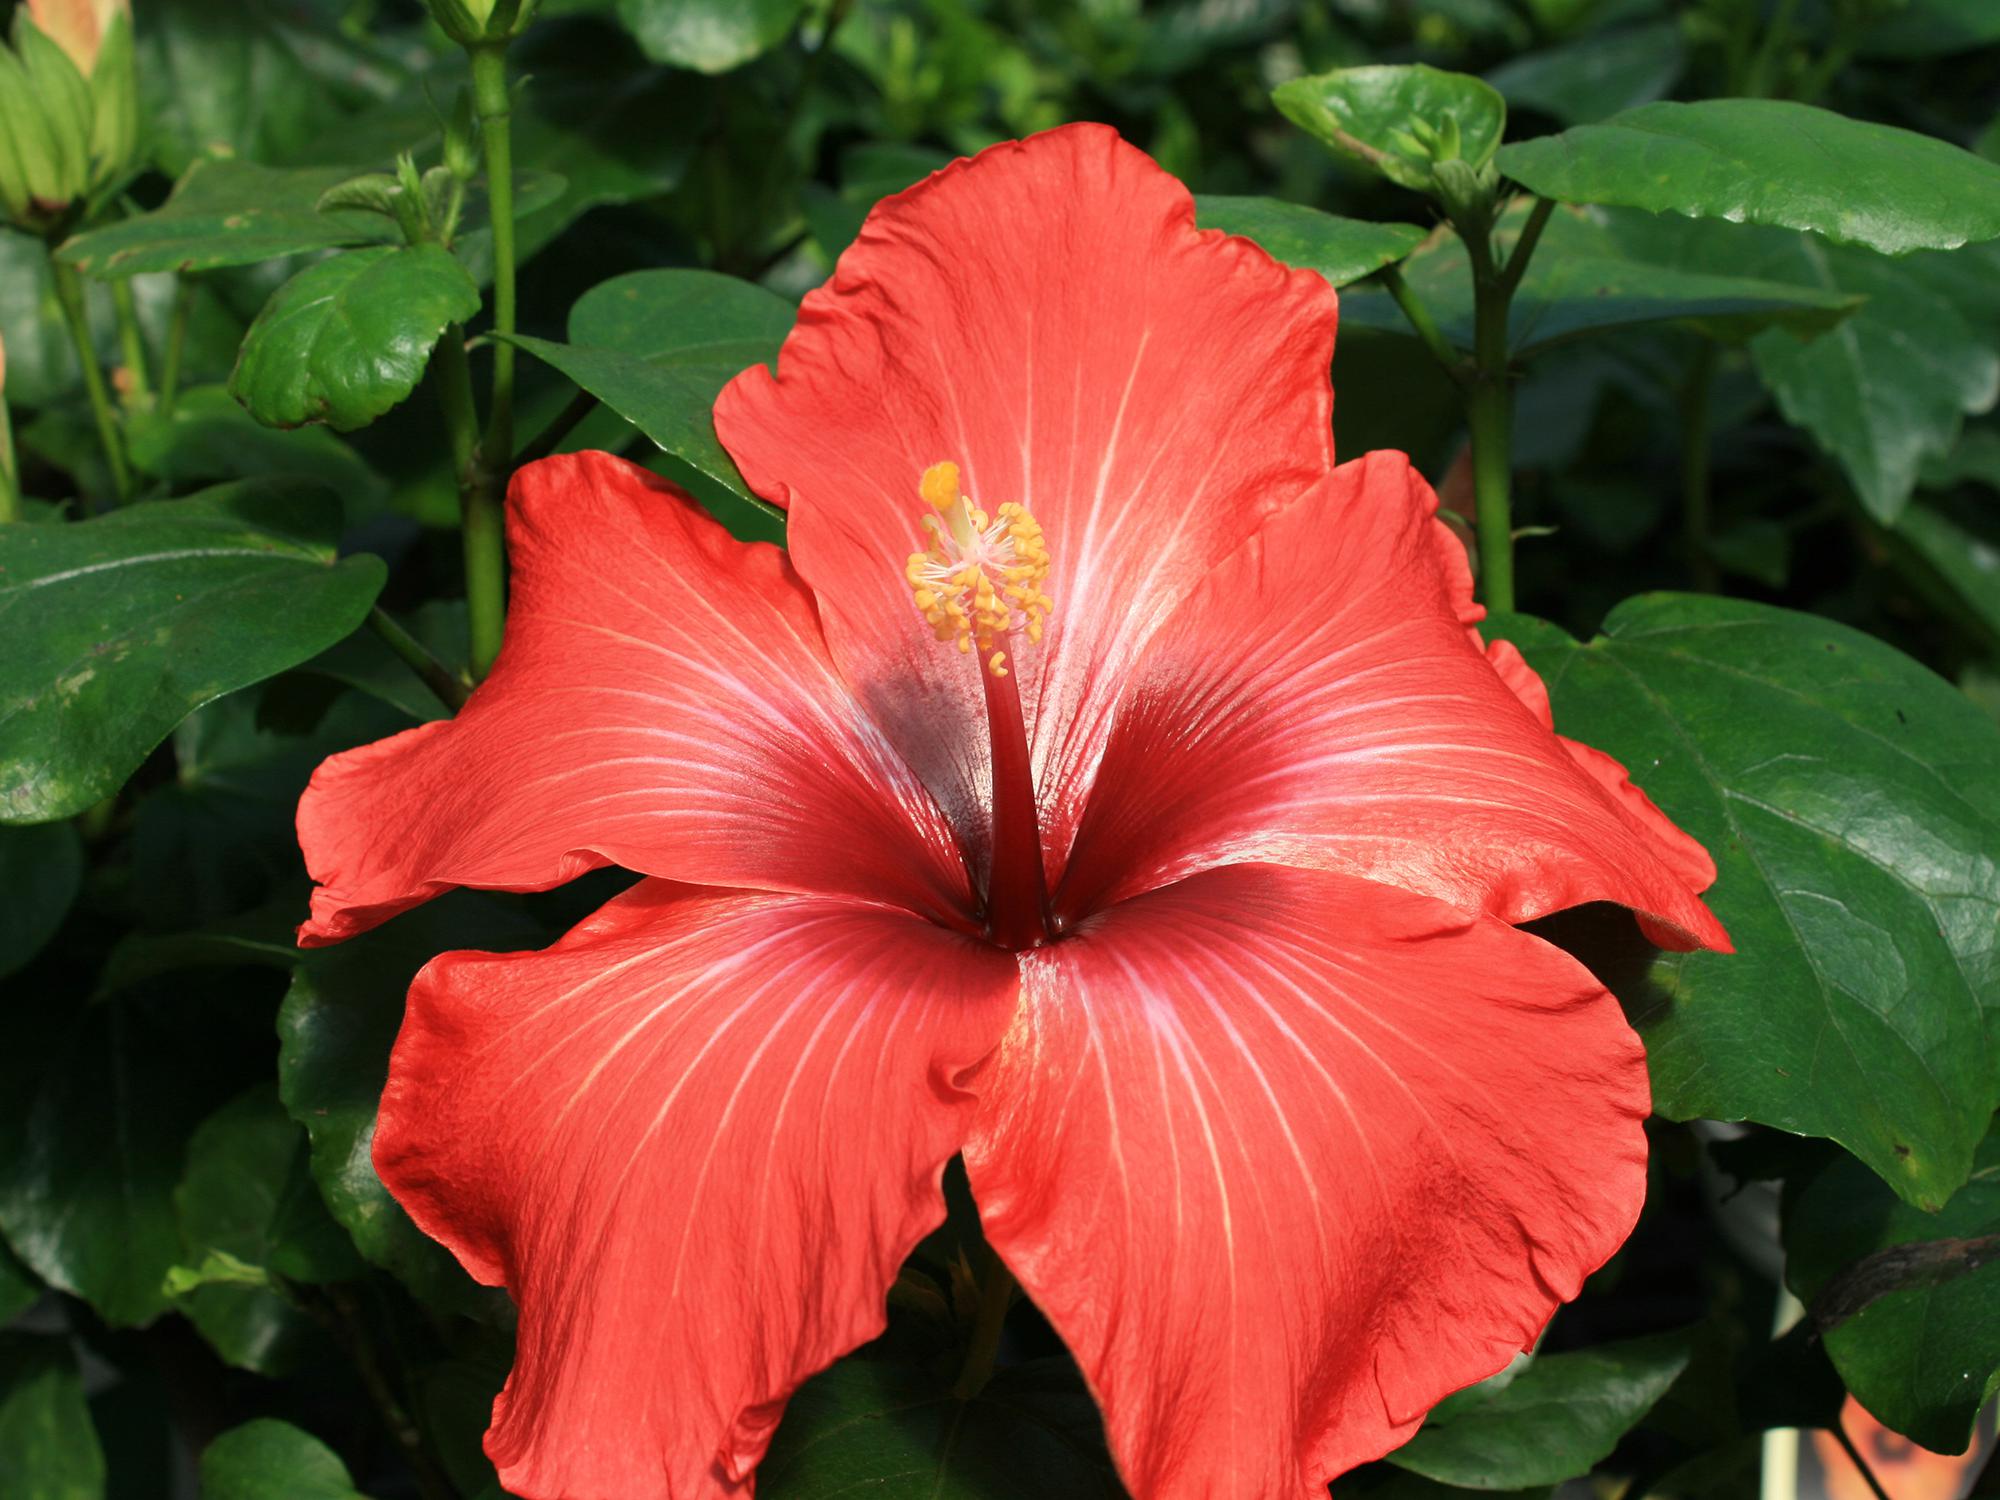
(1773, 162)
(1848, 797)
(266, 1459)
(1371, 115)
(48, 1448)
(127, 623)
(1341, 250)
(348, 338)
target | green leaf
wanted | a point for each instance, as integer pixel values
(238, 78)
(125, 624)
(41, 870)
(239, 1162)
(1931, 28)
(1596, 75)
(48, 1447)
(348, 338)
(657, 347)
(1958, 543)
(868, 173)
(19, 1288)
(208, 438)
(1851, 801)
(1769, 161)
(228, 213)
(1908, 1303)
(1889, 387)
(334, 1033)
(1582, 281)
(101, 1101)
(1556, 1420)
(272, 1460)
(887, 1430)
(1378, 115)
(1341, 250)
(363, 661)
(710, 36)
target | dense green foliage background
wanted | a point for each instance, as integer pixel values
(1731, 374)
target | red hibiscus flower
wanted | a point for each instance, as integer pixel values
(1103, 786)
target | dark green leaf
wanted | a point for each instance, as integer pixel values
(1581, 281)
(19, 1288)
(1890, 386)
(1770, 161)
(868, 174)
(657, 346)
(237, 78)
(208, 438)
(1932, 28)
(1378, 116)
(348, 338)
(1596, 75)
(1908, 1303)
(1851, 801)
(260, 937)
(1555, 1420)
(1341, 250)
(228, 213)
(101, 1101)
(124, 624)
(48, 1448)
(710, 36)
(272, 1460)
(334, 1032)
(238, 1163)
(868, 1426)
(41, 868)
(1959, 544)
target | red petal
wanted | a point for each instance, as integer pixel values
(1287, 1156)
(664, 702)
(695, 1140)
(1320, 702)
(1047, 316)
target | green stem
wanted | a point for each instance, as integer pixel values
(550, 438)
(1756, 76)
(69, 292)
(1696, 467)
(1860, 1464)
(177, 331)
(481, 524)
(349, 1327)
(996, 1295)
(417, 657)
(495, 108)
(1490, 416)
(1524, 247)
(1421, 320)
(10, 480)
(131, 342)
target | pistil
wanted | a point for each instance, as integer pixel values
(978, 586)
(1017, 897)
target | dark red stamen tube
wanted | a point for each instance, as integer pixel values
(1017, 898)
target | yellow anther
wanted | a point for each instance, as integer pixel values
(980, 580)
(940, 486)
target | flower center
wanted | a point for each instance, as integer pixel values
(979, 584)
(980, 580)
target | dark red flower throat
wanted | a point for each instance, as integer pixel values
(1017, 894)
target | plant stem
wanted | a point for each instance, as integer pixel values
(550, 438)
(10, 479)
(1524, 247)
(417, 657)
(1696, 465)
(996, 1294)
(495, 108)
(1421, 320)
(350, 1329)
(69, 292)
(481, 524)
(1756, 77)
(177, 329)
(1860, 1464)
(131, 342)
(1490, 417)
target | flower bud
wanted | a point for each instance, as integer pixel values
(69, 112)
(468, 22)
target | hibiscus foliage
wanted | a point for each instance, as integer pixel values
(990, 748)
